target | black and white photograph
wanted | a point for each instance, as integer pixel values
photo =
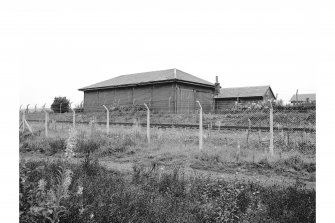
(167, 111)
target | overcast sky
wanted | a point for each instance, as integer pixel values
(57, 47)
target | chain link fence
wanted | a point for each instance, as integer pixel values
(292, 128)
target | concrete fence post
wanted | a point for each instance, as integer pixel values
(74, 118)
(200, 126)
(170, 104)
(271, 131)
(148, 123)
(20, 117)
(27, 109)
(46, 122)
(23, 120)
(107, 120)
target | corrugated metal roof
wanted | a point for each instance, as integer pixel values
(145, 77)
(243, 92)
(303, 97)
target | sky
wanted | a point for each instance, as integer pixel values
(57, 47)
(53, 48)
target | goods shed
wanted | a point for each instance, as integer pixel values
(168, 91)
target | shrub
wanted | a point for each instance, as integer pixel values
(60, 105)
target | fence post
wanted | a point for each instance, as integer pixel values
(107, 122)
(27, 109)
(23, 120)
(169, 104)
(46, 122)
(271, 130)
(200, 126)
(74, 118)
(148, 123)
(248, 132)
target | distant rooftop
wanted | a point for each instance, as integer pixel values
(303, 97)
(147, 77)
(236, 92)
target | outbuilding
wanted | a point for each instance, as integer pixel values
(303, 99)
(168, 91)
(229, 97)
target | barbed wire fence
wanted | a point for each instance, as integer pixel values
(266, 128)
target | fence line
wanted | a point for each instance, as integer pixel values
(265, 127)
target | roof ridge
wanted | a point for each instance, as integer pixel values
(143, 72)
(147, 77)
(247, 86)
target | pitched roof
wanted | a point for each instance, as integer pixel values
(146, 77)
(303, 97)
(243, 92)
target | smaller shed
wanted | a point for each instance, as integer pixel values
(303, 99)
(228, 97)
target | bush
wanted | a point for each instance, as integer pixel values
(60, 105)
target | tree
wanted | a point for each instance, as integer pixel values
(60, 105)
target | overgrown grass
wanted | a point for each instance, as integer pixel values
(48, 146)
(180, 147)
(154, 195)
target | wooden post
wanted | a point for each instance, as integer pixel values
(107, 122)
(271, 131)
(148, 123)
(200, 126)
(46, 122)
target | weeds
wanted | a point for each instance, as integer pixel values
(154, 195)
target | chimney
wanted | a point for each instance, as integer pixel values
(217, 86)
